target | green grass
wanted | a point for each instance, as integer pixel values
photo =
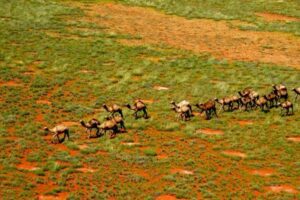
(58, 61)
(230, 10)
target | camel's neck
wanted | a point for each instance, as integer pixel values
(83, 124)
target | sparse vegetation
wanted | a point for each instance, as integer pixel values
(57, 68)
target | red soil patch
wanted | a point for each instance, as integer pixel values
(11, 84)
(62, 147)
(262, 172)
(70, 123)
(165, 197)
(160, 88)
(148, 100)
(198, 35)
(245, 122)
(294, 139)
(25, 165)
(86, 170)
(182, 171)
(234, 153)
(131, 143)
(39, 117)
(43, 102)
(60, 196)
(282, 188)
(83, 146)
(11, 130)
(208, 131)
(162, 156)
(277, 17)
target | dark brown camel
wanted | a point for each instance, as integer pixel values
(90, 125)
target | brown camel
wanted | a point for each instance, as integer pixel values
(113, 109)
(297, 91)
(109, 125)
(225, 101)
(272, 99)
(138, 106)
(183, 112)
(183, 103)
(281, 91)
(58, 130)
(262, 102)
(245, 92)
(279, 87)
(118, 120)
(90, 125)
(209, 107)
(245, 102)
(286, 106)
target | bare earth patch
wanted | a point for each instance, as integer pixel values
(166, 197)
(70, 123)
(182, 171)
(294, 139)
(10, 84)
(60, 196)
(148, 100)
(157, 87)
(245, 122)
(198, 35)
(208, 131)
(234, 153)
(46, 102)
(131, 143)
(25, 165)
(282, 188)
(262, 172)
(85, 170)
(277, 17)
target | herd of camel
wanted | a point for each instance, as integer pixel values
(247, 99)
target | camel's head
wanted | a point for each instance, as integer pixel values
(172, 102)
(46, 129)
(104, 105)
(216, 99)
(127, 105)
(294, 89)
(108, 118)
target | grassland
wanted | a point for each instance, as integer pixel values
(57, 68)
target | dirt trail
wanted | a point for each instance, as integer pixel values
(198, 35)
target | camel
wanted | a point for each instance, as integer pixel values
(297, 91)
(282, 94)
(245, 92)
(246, 101)
(118, 120)
(109, 125)
(209, 107)
(248, 92)
(280, 91)
(183, 111)
(58, 130)
(113, 109)
(182, 104)
(286, 106)
(262, 102)
(279, 87)
(272, 99)
(138, 106)
(226, 101)
(90, 125)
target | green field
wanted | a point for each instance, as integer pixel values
(57, 68)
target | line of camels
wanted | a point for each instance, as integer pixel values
(247, 99)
